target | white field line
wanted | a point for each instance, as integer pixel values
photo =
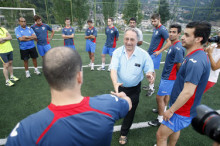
(82, 66)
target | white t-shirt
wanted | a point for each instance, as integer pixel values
(213, 77)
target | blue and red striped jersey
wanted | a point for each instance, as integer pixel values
(175, 55)
(111, 34)
(68, 31)
(160, 34)
(91, 31)
(41, 32)
(194, 69)
(89, 122)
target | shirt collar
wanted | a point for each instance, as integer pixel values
(22, 27)
(194, 51)
(133, 54)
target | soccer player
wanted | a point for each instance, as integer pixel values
(172, 64)
(41, 31)
(68, 35)
(25, 36)
(6, 56)
(160, 35)
(132, 24)
(112, 35)
(91, 34)
(70, 119)
(189, 86)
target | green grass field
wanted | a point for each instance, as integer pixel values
(31, 95)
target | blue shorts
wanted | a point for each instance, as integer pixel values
(6, 57)
(43, 49)
(107, 50)
(156, 60)
(90, 46)
(165, 87)
(71, 46)
(177, 122)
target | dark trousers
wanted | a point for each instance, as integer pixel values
(133, 93)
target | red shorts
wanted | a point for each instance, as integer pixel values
(209, 85)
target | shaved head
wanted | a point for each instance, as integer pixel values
(60, 66)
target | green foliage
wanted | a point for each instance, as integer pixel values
(108, 9)
(81, 12)
(132, 9)
(164, 11)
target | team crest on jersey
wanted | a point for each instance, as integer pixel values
(177, 48)
(194, 61)
(43, 28)
(22, 31)
(91, 31)
(29, 31)
(112, 31)
(169, 51)
(116, 98)
(70, 30)
(156, 32)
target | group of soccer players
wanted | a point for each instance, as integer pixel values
(184, 79)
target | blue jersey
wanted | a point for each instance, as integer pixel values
(42, 33)
(160, 34)
(194, 69)
(19, 32)
(175, 55)
(111, 34)
(91, 31)
(68, 31)
(89, 122)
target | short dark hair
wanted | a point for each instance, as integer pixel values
(111, 19)
(89, 21)
(133, 19)
(155, 16)
(202, 29)
(176, 26)
(67, 18)
(36, 17)
(60, 66)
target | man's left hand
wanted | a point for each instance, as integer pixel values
(48, 40)
(157, 53)
(150, 77)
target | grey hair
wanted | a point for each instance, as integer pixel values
(134, 30)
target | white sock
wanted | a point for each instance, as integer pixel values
(92, 65)
(11, 76)
(35, 68)
(103, 65)
(27, 71)
(160, 118)
(165, 108)
(151, 86)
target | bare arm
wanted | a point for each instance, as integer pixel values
(167, 45)
(68, 36)
(184, 96)
(116, 39)
(178, 66)
(7, 38)
(150, 77)
(214, 65)
(115, 80)
(125, 97)
(51, 36)
(27, 38)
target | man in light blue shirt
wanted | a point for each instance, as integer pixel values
(127, 67)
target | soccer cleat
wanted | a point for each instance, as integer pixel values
(9, 83)
(109, 69)
(36, 71)
(150, 92)
(154, 110)
(146, 88)
(28, 75)
(14, 78)
(154, 123)
(100, 68)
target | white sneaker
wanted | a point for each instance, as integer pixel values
(100, 68)
(28, 75)
(36, 71)
(109, 69)
(9, 83)
(92, 68)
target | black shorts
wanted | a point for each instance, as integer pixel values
(26, 54)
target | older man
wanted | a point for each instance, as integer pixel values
(70, 119)
(127, 66)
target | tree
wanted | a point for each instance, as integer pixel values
(81, 12)
(164, 11)
(108, 9)
(132, 9)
